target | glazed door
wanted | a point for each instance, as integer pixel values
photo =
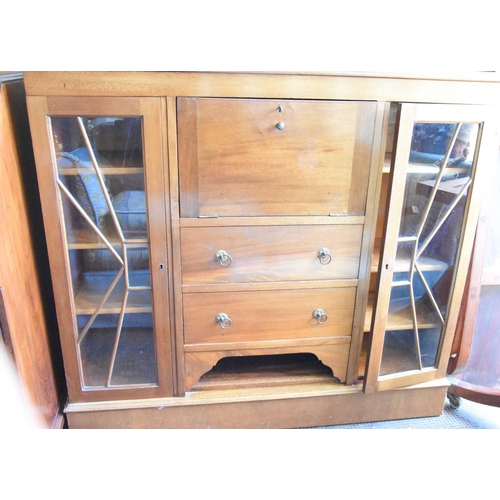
(438, 174)
(100, 167)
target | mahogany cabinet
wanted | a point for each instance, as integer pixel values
(252, 250)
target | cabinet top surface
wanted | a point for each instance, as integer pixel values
(451, 87)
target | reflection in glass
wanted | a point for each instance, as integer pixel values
(101, 180)
(438, 176)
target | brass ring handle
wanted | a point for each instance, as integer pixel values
(222, 256)
(318, 314)
(324, 256)
(224, 321)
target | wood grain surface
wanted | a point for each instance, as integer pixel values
(334, 356)
(284, 314)
(19, 278)
(270, 253)
(246, 166)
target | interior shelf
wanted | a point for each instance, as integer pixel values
(422, 168)
(83, 238)
(400, 315)
(93, 287)
(105, 171)
(403, 265)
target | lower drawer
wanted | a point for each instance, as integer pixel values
(268, 315)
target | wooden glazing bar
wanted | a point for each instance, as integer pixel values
(89, 220)
(423, 219)
(117, 337)
(415, 326)
(99, 306)
(429, 292)
(104, 189)
(443, 218)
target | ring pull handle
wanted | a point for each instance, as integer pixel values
(224, 321)
(318, 315)
(222, 256)
(324, 256)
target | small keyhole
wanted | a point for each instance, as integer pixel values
(162, 267)
(387, 266)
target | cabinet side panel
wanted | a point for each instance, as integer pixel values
(19, 278)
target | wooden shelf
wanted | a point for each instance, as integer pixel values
(82, 238)
(403, 265)
(422, 168)
(94, 286)
(446, 192)
(104, 171)
(400, 315)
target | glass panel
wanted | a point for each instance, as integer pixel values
(101, 179)
(438, 176)
(400, 350)
(134, 362)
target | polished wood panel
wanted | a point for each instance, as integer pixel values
(170, 200)
(90, 106)
(187, 128)
(267, 315)
(173, 196)
(19, 278)
(376, 168)
(289, 407)
(270, 253)
(334, 356)
(364, 147)
(158, 228)
(246, 166)
(468, 88)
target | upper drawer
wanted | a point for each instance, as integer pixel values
(251, 157)
(270, 253)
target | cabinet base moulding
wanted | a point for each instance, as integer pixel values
(309, 407)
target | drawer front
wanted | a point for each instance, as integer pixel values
(235, 161)
(270, 253)
(267, 316)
